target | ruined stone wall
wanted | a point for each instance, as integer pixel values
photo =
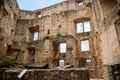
(8, 24)
(98, 21)
(24, 14)
(107, 9)
(91, 36)
(110, 46)
(57, 24)
(60, 20)
(57, 8)
(108, 38)
(67, 74)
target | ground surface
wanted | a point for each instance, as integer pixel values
(96, 79)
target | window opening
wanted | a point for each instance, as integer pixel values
(61, 63)
(85, 45)
(83, 27)
(35, 36)
(62, 47)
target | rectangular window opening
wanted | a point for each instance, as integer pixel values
(87, 26)
(83, 27)
(85, 45)
(35, 36)
(61, 63)
(62, 47)
(88, 60)
(80, 28)
(80, 3)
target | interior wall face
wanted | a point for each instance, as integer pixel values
(8, 18)
(110, 46)
(60, 20)
(57, 24)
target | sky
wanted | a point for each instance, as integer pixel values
(36, 4)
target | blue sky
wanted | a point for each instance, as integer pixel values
(36, 4)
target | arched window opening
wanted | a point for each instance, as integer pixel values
(61, 63)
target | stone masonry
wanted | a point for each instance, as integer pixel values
(49, 74)
(33, 38)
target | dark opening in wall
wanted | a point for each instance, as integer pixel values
(46, 66)
(1, 38)
(47, 38)
(114, 71)
(79, 2)
(1, 29)
(31, 51)
(118, 13)
(8, 50)
(33, 34)
(1, 2)
(38, 14)
(9, 47)
(12, 30)
(48, 31)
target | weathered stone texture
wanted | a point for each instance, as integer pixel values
(111, 47)
(106, 13)
(57, 24)
(66, 74)
(7, 24)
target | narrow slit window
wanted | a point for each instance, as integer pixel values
(62, 47)
(35, 36)
(85, 45)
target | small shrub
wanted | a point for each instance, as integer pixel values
(59, 35)
(7, 64)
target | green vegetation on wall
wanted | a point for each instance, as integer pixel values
(59, 35)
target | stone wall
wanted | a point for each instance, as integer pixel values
(24, 14)
(10, 12)
(49, 74)
(57, 24)
(109, 44)
(60, 20)
(106, 17)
